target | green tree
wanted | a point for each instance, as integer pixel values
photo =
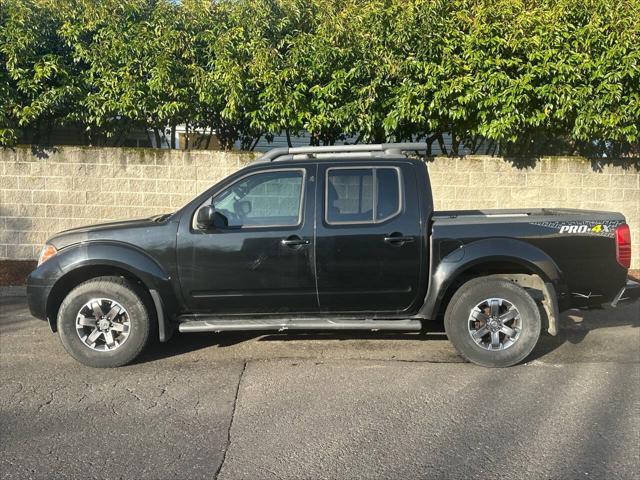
(138, 61)
(528, 76)
(39, 80)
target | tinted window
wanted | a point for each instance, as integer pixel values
(388, 193)
(351, 197)
(263, 199)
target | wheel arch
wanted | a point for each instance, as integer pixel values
(512, 259)
(80, 264)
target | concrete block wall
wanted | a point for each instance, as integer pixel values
(77, 186)
(73, 186)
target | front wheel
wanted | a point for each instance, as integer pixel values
(104, 322)
(493, 322)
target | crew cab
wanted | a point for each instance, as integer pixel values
(329, 238)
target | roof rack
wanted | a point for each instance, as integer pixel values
(341, 151)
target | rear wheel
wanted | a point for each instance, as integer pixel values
(493, 322)
(104, 322)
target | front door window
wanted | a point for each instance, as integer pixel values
(267, 199)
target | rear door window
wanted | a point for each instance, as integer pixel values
(362, 195)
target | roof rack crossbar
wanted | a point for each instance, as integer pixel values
(387, 148)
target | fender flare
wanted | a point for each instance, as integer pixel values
(131, 259)
(486, 250)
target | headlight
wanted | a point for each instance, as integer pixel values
(47, 252)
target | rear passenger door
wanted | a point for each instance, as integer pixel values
(368, 237)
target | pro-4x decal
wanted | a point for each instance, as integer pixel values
(606, 229)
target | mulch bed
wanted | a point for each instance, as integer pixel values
(14, 272)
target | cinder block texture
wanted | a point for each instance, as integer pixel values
(42, 194)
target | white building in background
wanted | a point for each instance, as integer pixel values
(146, 139)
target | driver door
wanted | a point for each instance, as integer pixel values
(263, 261)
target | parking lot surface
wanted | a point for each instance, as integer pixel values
(232, 406)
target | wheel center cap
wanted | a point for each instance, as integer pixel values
(103, 324)
(494, 325)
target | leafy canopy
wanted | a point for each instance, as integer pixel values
(521, 74)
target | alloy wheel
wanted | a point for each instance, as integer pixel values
(103, 324)
(495, 324)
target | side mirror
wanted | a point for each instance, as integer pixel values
(208, 218)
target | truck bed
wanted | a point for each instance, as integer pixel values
(526, 215)
(581, 243)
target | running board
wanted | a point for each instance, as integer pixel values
(297, 324)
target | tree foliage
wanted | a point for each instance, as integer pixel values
(525, 75)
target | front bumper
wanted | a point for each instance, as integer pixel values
(628, 293)
(39, 285)
(37, 296)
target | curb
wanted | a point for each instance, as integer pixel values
(20, 291)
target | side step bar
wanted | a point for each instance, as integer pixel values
(297, 324)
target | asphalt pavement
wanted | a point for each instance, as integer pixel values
(309, 406)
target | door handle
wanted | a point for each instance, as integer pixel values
(294, 241)
(397, 239)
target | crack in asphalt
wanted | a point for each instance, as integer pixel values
(50, 400)
(233, 416)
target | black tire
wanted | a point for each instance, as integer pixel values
(126, 294)
(472, 293)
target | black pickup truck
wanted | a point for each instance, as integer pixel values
(329, 238)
